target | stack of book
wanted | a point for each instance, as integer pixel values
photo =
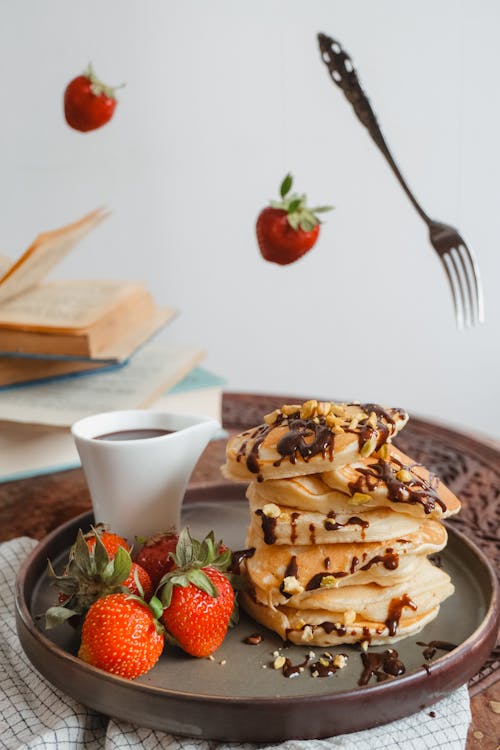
(73, 348)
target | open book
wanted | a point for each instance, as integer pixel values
(103, 320)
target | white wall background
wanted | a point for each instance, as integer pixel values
(223, 97)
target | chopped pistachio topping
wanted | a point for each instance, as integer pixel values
(359, 498)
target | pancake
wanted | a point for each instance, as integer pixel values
(354, 613)
(279, 524)
(396, 480)
(310, 438)
(300, 632)
(324, 566)
(275, 590)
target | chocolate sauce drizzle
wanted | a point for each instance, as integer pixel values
(315, 581)
(418, 491)
(293, 670)
(331, 524)
(237, 558)
(322, 669)
(390, 560)
(268, 526)
(329, 627)
(291, 570)
(307, 438)
(395, 611)
(381, 666)
(433, 646)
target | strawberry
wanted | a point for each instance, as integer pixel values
(90, 573)
(110, 540)
(121, 635)
(197, 596)
(287, 229)
(155, 555)
(139, 582)
(88, 103)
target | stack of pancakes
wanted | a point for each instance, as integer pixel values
(341, 525)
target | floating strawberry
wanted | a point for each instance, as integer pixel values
(88, 103)
(197, 596)
(155, 555)
(88, 575)
(287, 229)
(121, 635)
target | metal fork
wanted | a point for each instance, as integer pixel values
(458, 261)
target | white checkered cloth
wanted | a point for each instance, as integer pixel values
(34, 714)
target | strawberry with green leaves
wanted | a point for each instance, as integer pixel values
(156, 555)
(288, 229)
(88, 103)
(197, 595)
(91, 573)
(122, 635)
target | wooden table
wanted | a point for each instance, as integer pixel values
(471, 468)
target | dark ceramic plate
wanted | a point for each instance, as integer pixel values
(234, 697)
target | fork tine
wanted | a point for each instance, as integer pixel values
(451, 273)
(475, 276)
(468, 296)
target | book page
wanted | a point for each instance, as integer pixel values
(65, 304)
(157, 365)
(45, 252)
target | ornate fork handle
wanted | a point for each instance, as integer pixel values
(342, 73)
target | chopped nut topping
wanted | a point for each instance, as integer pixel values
(404, 475)
(339, 661)
(384, 451)
(372, 419)
(292, 586)
(276, 653)
(324, 408)
(369, 446)
(271, 510)
(329, 581)
(289, 409)
(307, 633)
(359, 498)
(279, 662)
(324, 662)
(364, 645)
(354, 422)
(349, 616)
(338, 410)
(309, 409)
(272, 417)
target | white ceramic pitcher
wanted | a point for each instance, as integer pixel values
(137, 485)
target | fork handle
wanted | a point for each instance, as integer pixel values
(342, 73)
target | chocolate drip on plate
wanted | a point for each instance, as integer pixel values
(381, 666)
